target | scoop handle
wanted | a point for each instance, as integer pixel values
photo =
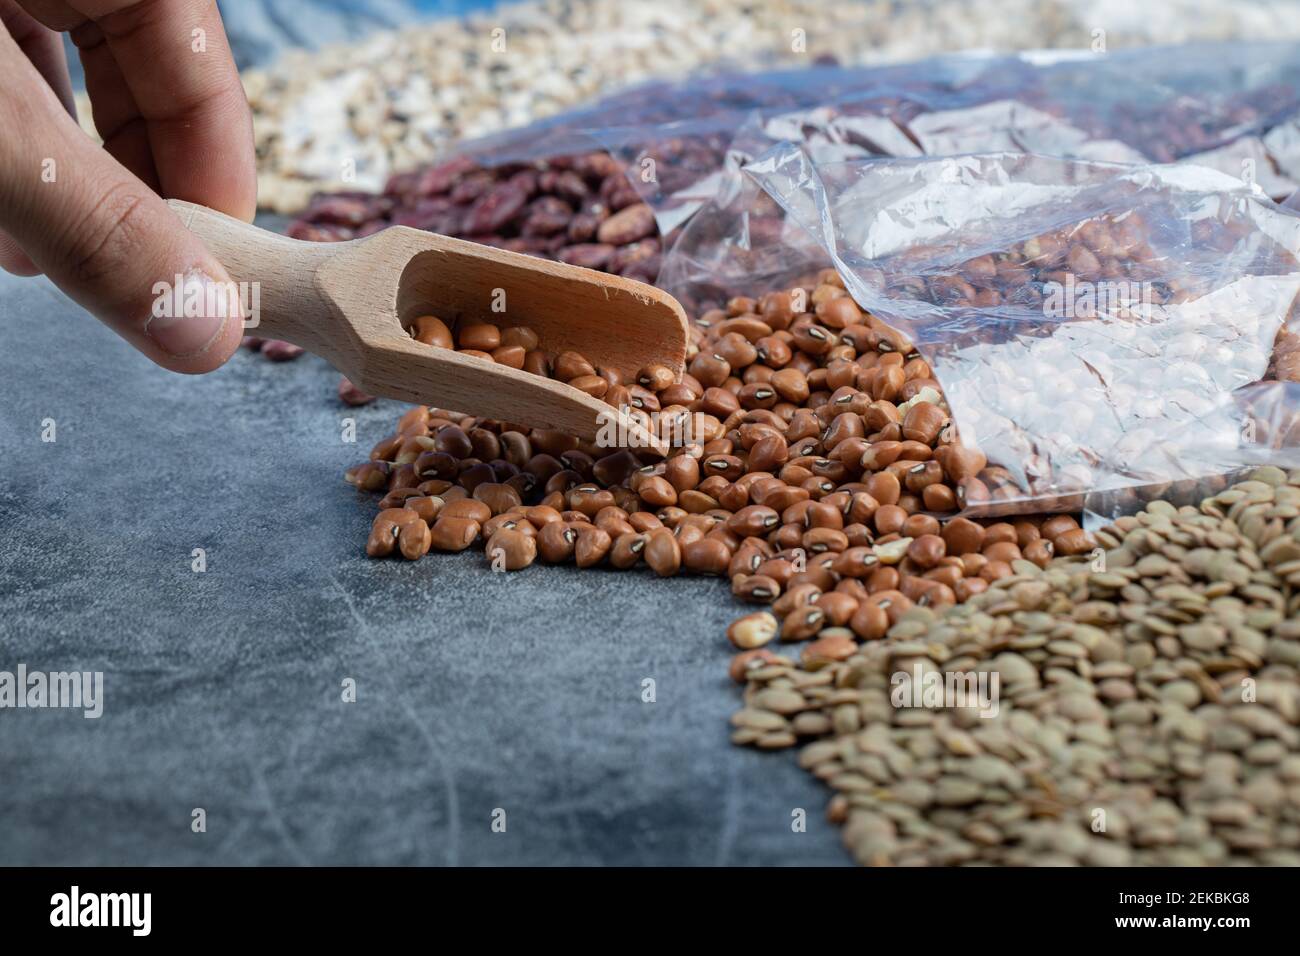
(276, 278)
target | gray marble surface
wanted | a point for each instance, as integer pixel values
(222, 689)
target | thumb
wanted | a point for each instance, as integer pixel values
(104, 237)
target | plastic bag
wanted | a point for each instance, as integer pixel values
(1089, 322)
(1228, 105)
(680, 146)
(1266, 418)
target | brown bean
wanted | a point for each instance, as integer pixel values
(828, 648)
(644, 522)
(752, 630)
(593, 545)
(426, 506)
(512, 356)
(706, 556)
(963, 536)
(1005, 551)
(967, 588)
(663, 554)
(657, 492)
(802, 623)
(926, 551)
(384, 533)
(753, 520)
(451, 533)
(542, 515)
(755, 588)
(511, 549)
(821, 540)
(536, 363)
(628, 550)
(923, 422)
(592, 385)
(570, 365)
(884, 487)
(1040, 552)
(431, 330)
(1076, 541)
(521, 336)
(994, 570)
(498, 497)
(556, 542)
(369, 476)
(655, 377)
(1056, 525)
(1026, 532)
(512, 521)
(870, 622)
(889, 519)
(453, 441)
(470, 508)
(742, 663)
(917, 525)
(479, 336)
(838, 607)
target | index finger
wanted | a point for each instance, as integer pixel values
(179, 80)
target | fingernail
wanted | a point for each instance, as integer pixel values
(190, 313)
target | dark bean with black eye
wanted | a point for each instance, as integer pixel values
(812, 338)
(736, 350)
(757, 395)
(655, 377)
(819, 540)
(556, 542)
(753, 521)
(802, 623)
(834, 471)
(755, 588)
(627, 550)
(773, 351)
(726, 466)
(642, 399)
(844, 426)
(710, 369)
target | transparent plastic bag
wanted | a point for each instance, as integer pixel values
(1089, 322)
(851, 112)
(1223, 104)
(1233, 106)
(1260, 426)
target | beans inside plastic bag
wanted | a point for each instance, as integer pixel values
(1089, 322)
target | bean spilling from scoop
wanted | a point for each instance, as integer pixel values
(822, 474)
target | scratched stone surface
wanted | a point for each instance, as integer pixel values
(222, 690)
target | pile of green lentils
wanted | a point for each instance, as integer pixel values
(1148, 706)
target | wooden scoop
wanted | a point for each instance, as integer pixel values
(350, 303)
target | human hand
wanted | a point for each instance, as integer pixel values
(168, 101)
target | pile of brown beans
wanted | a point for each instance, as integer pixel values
(823, 478)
